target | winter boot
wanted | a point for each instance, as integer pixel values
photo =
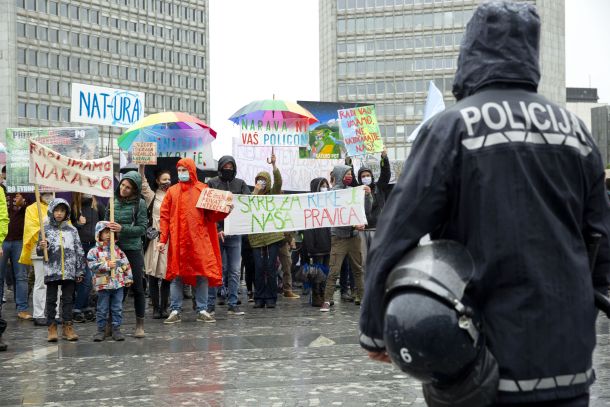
(67, 332)
(52, 337)
(139, 333)
(100, 335)
(117, 335)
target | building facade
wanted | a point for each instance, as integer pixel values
(152, 46)
(581, 101)
(387, 51)
(600, 130)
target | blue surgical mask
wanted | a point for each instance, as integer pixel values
(184, 176)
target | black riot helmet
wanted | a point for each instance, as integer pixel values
(429, 332)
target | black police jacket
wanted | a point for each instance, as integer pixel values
(519, 181)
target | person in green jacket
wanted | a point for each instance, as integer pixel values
(266, 246)
(130, 222)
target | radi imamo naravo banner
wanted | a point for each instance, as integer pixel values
(284, 213)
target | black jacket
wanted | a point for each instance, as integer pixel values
(519, 181)
(317, 241)
(235, 185)
(378, 190)
(86, 232)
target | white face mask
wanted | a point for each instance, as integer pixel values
(367, 180)
(262, 183)
(323, 189)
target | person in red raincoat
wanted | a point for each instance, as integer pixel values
(194, 253)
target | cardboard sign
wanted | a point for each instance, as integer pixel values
(144, 153)
(215, 200)
(284, 213)
(49, 168)
(360, 131)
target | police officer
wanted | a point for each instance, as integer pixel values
(519, 182)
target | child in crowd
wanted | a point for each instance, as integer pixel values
(64, 267)
(109, 278)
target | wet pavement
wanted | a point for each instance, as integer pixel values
(289, 356)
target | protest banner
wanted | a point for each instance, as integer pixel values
(273, 133)
(296, 173)
(105, 106)
(373, 162)
(284, 213)
(215, 200)
(73, 142)
(144, 153)
(360, 130)
(325, 139)
(49, 168)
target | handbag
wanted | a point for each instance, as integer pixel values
(151, 233)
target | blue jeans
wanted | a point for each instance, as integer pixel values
(112, 299)
(176, 294)
(12, 250)
(83, 289)
(230, 251)
(265, 273)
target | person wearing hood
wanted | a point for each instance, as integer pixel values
(266, 246)
(317, 244)
(194, 252)
(86, 212)
(64, 267)
(109, 278)
(345, 241)
(230, 246)
(155, 262)
(130, 223)
(29, 257)
(519, 182)
(377, 195)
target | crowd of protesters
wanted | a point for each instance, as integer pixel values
(168, 249)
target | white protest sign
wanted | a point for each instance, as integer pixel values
(296, 173)
(284, 213)
(51, 169)
(105, 106)
(274, 132)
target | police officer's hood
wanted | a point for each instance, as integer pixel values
(500, 46)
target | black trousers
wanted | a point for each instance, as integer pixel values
(67, 300)
(136, 260)
(159, 292)
(247, 258)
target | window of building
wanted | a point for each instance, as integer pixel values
(21, 56)
(113, 45)
(21, 109)
(43, 86)
(31, 110)
(94, 42)
(341, 26)
(53, 61)
(30, 5)
(64, 114)
(20, 3)
(53, 87)
(53, 35)
(83, 14)
(83, 40)
(73, 12)
(31, 57)
(139, 51)
(42, 59)
(41, 33)
(114, 71)
(63, 9)
(83, 65)
(74, 39)
(103, 44)
(21, 83)
(54, 113)
(30, 31)
(73, 62)
(63, 62)
(104, 21)
(94, 16)
(104, 69)
(63, 37)
(20, 30)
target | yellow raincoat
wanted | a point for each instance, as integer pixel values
(31, 231)
(3, 216)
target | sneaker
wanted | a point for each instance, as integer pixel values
(117, 335)
(325, 307)
(24, 315)
(205, 316)
(100, 335)
(174, 317)
(79, 317)
(89, 316)
(212, 313)
(346, 297)
(235, 311)
(290, 294)
(250, 296)
(40, 322)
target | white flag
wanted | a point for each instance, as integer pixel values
(434, 104)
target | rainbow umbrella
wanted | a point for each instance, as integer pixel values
(170, 130)
(271, 109)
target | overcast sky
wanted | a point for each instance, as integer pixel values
(266, 47)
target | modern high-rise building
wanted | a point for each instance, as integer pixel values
(386, 52)
(153, 46)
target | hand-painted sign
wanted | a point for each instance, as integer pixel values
(73, 142)
(49, 168)
(215, 200)
(360, 131)
(274, 133)
(105, 106)
(283, 213)
(325, 139)
(144, 153)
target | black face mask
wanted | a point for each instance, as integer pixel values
(226, 174)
